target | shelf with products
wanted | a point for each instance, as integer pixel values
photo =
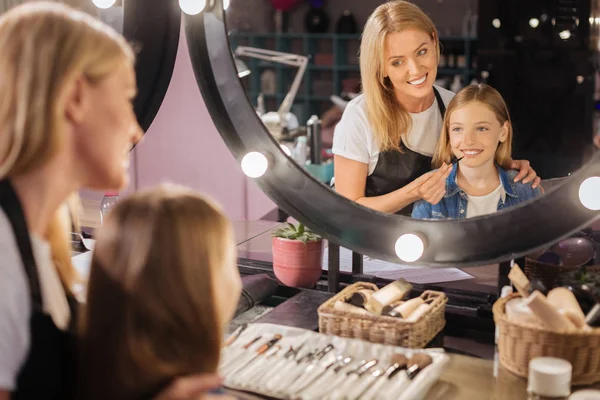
(333, 67)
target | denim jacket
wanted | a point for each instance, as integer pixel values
(454, 204)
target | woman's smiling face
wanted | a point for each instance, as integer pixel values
(410, 61)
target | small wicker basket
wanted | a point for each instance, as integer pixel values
(518, 343)
(383, 329)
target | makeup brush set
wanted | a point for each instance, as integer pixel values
(291, 363)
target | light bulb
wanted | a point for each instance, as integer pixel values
(225, 4)
(254, 164)
(192, 7)
(534, 22)
(409, 247)
(496, 23)
(286, 150)
(589, 193)
(564, 35)
(104, 3)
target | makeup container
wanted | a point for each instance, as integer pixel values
(564, 300)
(549, 379)
(389, 294)
(548, 314)
(361, 298)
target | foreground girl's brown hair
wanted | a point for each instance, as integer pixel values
(150, 313)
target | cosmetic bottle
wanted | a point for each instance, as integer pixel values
(395, 291)
(548, 314)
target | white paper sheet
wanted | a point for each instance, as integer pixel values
(391, 270)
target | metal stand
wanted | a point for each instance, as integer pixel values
(503, 271)
(357, 264)
(333, 272)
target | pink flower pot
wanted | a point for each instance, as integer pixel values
(296, 263)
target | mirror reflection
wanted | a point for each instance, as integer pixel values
(400, 139)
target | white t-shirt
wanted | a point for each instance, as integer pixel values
(486, 204)
(353, 137)
(15, 300)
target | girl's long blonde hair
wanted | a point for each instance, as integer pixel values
(150, 314)
(491, 98)
(387, 118)
(45, 47)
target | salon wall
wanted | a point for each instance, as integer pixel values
(183, 146)
(256, 15)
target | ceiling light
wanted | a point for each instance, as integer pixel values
(565, 34)
(409, 247)
(496, 23)
(254, 164)
(534, 22)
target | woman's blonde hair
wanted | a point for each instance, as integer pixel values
(491, 98)
(150, 314)
(388, 119)
(45, 47)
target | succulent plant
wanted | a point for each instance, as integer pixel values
(296, 232)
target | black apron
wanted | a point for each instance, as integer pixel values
(48, 371)
(395, 170)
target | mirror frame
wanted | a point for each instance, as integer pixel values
(506, 235)
(153, 28)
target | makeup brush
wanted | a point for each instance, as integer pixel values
(457, 160)
(235, 335)
(399, 362)
(417, 363)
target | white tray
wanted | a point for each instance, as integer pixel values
(277, 377)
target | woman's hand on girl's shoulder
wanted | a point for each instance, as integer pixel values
(526, 173)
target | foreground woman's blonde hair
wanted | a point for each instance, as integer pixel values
(389, 121)
(150, 314)
(44, 48)
(492, 99)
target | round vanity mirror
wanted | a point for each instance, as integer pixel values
(152, 27)
(267, 92)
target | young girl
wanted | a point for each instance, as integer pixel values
(477, 131)
(163, 284)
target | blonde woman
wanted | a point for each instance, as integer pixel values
(163, 285)
(66, 122)
(478, 131)
(385, 140)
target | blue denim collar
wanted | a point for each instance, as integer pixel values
(508, 184)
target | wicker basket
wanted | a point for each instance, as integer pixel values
(518, 343)
(383, 329)
(546, 273)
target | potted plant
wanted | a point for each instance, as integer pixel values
(297, 255)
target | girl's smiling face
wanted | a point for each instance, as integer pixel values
(475, 133)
